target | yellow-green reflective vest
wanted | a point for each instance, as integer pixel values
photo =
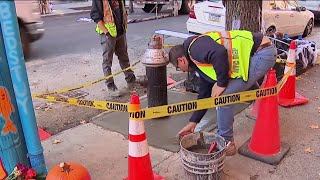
(109, 20)
(238, 44)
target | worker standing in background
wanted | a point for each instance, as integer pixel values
(227, 62)
(50, 6)
(111, 19)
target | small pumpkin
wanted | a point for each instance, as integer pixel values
(68, 171)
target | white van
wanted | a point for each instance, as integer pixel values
(30, 23)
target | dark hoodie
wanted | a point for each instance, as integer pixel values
(208, 51)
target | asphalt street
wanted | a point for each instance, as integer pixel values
(66, 35)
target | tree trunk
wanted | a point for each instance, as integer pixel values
(243, 15)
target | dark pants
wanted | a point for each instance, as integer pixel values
(118, 46)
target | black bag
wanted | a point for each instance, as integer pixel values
(192, 82)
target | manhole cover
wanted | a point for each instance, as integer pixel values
(74, 94)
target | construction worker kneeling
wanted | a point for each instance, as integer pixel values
(227, 62)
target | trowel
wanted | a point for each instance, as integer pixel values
(213, 145)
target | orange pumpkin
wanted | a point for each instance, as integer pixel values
(68, 171)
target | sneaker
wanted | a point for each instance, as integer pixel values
(231, 149)
(113, 91)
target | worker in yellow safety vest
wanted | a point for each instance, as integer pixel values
(226, 62)
(111, 19)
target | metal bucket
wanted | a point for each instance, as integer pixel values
(201, 165)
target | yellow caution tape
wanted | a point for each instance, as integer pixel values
(87, 84)
(95, 104)
(177, 108)
(190, 106)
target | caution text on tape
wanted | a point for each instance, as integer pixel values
(190, 106)
(178, 108)
(95, 104)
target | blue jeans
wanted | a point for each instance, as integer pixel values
(260, 63)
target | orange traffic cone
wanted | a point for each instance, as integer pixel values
(265, 143)
(288, 95)
(139, 163)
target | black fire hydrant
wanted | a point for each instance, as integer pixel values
(155, 60)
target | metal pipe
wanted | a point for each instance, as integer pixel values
(13, 148)
(16, 62)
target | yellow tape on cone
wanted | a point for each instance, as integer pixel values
(281, 60)
(285, 76)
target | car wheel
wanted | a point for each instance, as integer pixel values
(308, 29)
(271, 30)
(25, 42)
(151, 8)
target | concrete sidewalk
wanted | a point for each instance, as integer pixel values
(104, 153)
(60, 9)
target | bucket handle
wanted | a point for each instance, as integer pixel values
(203, 164)
(211, 161)
(210, 170)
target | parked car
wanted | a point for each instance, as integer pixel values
(30, 23)
(282, 16)
(313, 6)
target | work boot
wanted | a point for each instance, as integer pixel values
(231, 149)
(113, 90)
(135, 82)
(132, 85)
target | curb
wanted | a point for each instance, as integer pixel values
(129, 20)
(148, 18)
(62, 14)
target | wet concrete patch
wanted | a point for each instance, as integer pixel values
(161, 133)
